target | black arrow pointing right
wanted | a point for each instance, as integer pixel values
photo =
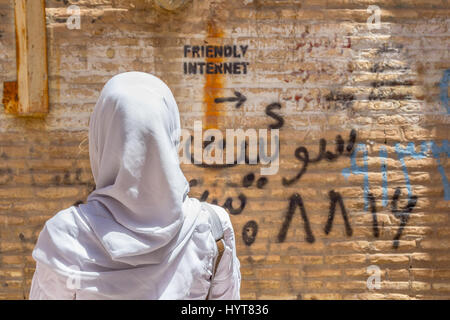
(239, 97)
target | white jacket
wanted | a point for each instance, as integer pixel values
(139, 236)
(190, 279)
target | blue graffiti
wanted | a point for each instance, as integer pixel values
(410, 151)
(444, 89)
(402, 153)
(364, 170)
(437, 151)
(424, 148)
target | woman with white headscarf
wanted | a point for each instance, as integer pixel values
(139, 236)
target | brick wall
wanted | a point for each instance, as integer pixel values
(363, 117)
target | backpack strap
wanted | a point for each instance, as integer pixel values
(217, 232)
(214, 221)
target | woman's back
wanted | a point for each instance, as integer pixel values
(139, 236)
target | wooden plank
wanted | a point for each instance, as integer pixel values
(31, 52)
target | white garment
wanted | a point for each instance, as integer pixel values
(139, 236)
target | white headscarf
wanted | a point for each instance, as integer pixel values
(139, 218)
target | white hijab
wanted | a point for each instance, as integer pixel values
(139, 218)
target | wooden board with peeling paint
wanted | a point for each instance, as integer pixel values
(31, 52)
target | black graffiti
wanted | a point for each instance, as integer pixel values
(373, 210)
(403, 214)
(248, 180)
(382, 95)
(302, 154)
(339, 99)
(351, 142)
(193, 183)
(294, 202)
(210, 51)
(270, 113)
(336, 198)
(215, 68)
(239, 98)
(391, 83)
(249, 232)
(204, 196)
(222, 147)
(68, 178)
(250, 229)
(262, 181)
(229, 204)
(222, 144)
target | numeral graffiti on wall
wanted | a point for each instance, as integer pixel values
(355, 152)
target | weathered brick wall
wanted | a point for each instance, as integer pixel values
(375, 101)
